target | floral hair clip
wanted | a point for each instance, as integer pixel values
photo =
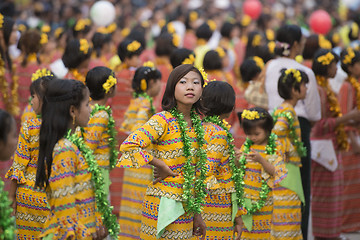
(271, 46)
(211, 24)
(256, 40)
(170, 28)
(250, 115)
(133, 46)
(84, 46)
(143, 85)
(125, 32)
(149, 64)
(58, 32)
(296, 74)
(324, 43)
(176, 40)
(40, 73)
(193, 16)
(285, 46)
(1, 20)
(207, 81)
(349, 56)
(326, 59)
(189, 60)
(81, 24)
(44, 39)
(220, 51)
(45, 29)
(203, 74)
(246, 20)
(259, 62)
(110, 82)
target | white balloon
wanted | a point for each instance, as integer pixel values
(102, 13)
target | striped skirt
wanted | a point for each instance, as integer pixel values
(134, 188)
(286, 221)
(217, 216)
(351, 195)
(326, 202)
(182, 228)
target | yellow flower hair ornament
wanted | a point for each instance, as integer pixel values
(250, 115)
(245, 21)
(193, 16)
(44, 39)
(203, 74)
(40, 73)
(207, 81)
(271, 46)
(149, 64)
(143, 85)
(220, 51)
(110, 82)
(349, 56)
(58, 32)
(133, 46)
(176, 40)
(21, 27)
(84, 46)
(45, 29)
(256, 40)
(1, 20)
(259, 62)
(324, 43)
(212, 25)
(354, 30)
(125, 32)
(326, 59)
(296, 74)
(170, 28)
(81, 24)
(189, 60)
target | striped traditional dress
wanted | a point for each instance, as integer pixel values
(135, 181)
(31, 203)
(326, 186)
(286, 222)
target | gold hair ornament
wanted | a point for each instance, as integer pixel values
(296, 74)
(189, 60)
(324, 43)
(81, 24)
(256, 40)
(193, 16)
(110, 82)
(349, 56)
(149, 64)
(176, 40)
(45, 29)
(1, 20)
(133, 46)
(41, 73)
(250, 115)
(220, 51)
(143, 85)
(84, 45)
(44, 39)
(211, 24)
(259, 62)
(326, 59)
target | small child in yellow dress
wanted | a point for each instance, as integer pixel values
(100, 133)
(146, 85)
(262, 168)
(8, 142)
(286, 222)
(29, 202)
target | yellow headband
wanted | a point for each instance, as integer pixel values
(259, 62)
(296, 74)
(326, 59)
(133, 46)
(220, 51)
(40, 73)
(189, 60)
(349, 56)
(250, 115)
(110, 82)
(84, 45)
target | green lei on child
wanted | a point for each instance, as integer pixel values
(193, 204)
(7, 222)
(295, 139)
(111, 131)
(146, 96)
(102, 204)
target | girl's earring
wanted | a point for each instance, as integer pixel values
(74, 120)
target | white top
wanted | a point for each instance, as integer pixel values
(310, 107)
(58, 68)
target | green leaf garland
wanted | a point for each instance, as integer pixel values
(301, 150)
(7, 222)
(193, 204)
(103, 205)
(270, 149)
(145, 95)
(114, 153)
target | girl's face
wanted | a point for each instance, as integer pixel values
(355, 70)
(7, 149)
(154, 87)
(188, 89)
(258, 135)
(36, 104)
(300, 95)
(134, 61)
(332, 69)
(82, 114)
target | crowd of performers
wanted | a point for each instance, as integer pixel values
(237, 140)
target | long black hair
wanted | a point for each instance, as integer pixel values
(59, 97)
(218, 98)
(7, 29)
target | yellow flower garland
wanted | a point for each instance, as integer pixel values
(341, 136)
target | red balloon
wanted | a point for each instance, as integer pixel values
(252, 8)
(320, 22)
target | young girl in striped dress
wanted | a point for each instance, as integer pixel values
(171, 207)
(288, 195)
(262, 169)
(146, 85)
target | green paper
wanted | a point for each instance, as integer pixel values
(107, 182)
(248, 218)
(293, 181)
(169, 211)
